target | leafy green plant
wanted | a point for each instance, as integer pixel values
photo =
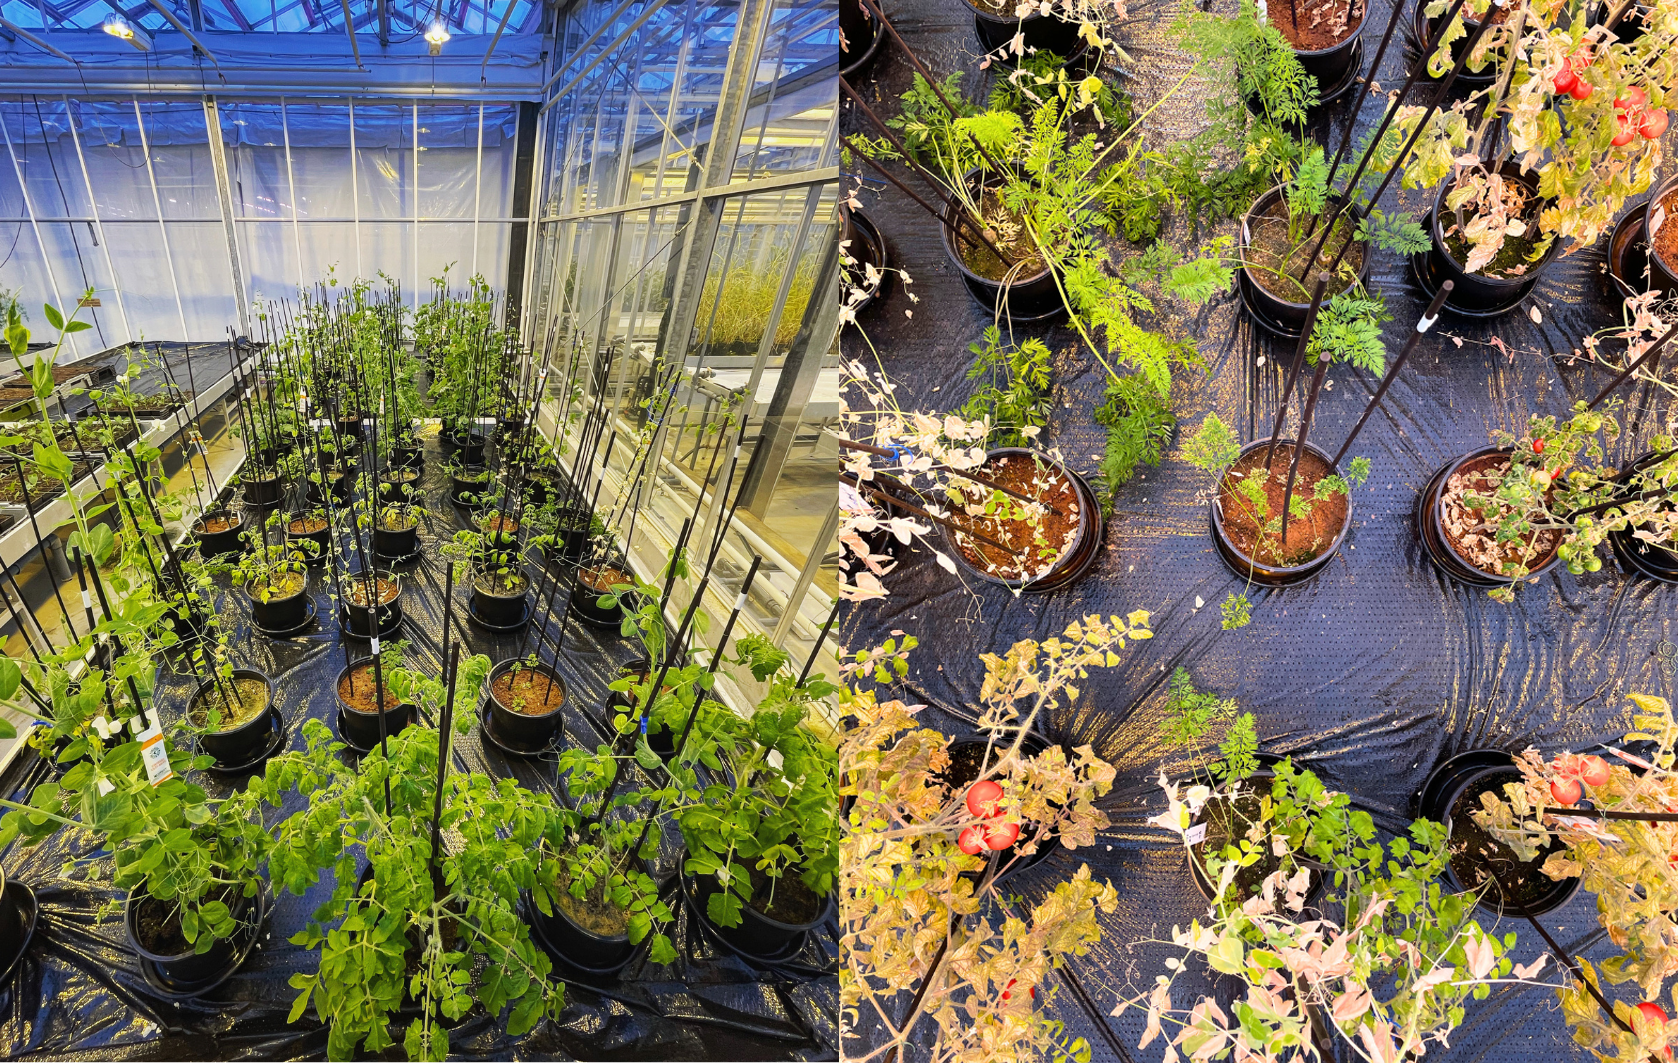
(1014, 393)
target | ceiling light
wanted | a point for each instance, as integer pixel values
(119, 27)
(436, 36)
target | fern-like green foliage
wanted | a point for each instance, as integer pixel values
(1213, 448)
(1014, 391)
(1236, 612)
(1239, 749)
(1348, 329)
(1041, 77)
(1139, 424)
(1190, 714)
(1399, 233)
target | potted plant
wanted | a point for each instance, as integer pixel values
(310, 525)
(1247, 508)
(275, 579)
(425, 932)
(372, 603)
(500, 590)
(524, 705)
(599, 595)
(364, 695)
(234, 710)
(399, 483)
(1512, 511)
(467, 484)
(1596, 822)
(219, 532)
(909, 908)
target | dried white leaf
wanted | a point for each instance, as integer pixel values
(1199, 602)
(1537, 318)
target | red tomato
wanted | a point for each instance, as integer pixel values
(1626, 134)
(1580, 60)
(1631, 99)
(972, 840)
(1566, 791)
(1593, 771)
(1538, 446)
(1002, 835)
(982, 797)
(1581, 91)
(1653, 125)
(1565, 80)
(1652, 1012)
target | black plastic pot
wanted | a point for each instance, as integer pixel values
(539, 486)
(244, 743)
(470, 447)
(221, 543)
(1275, 575)
(1259, 782)
(1645, 558)
(398, 484)
(508, 427)
(281, 614)
(264, 492)
(340, 484)
(1629, 28)
(1426, 29)
(1473, 293)
(757, 935)
(585, 601)
(517, 730)
(1331, 65)
(18, 916)
(396, 544)
(868, 247)
(576, 946)
(1026, 298)
(361, 729)
(407, 454)
(1045, 33)
(357, 619)
(322, 538)
(1287, 313)
(1074, 562)
(859, 40)
(1469, 775)
(464, 489)
(348, 427)
(499, 610)
(184, 624)
(1661, 274)
(190, 967)
(1430, 516)
(572, 532)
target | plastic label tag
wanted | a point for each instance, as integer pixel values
(1195, 834)
(87, 600)
(375, 647)
(486, 420)
(155, 755)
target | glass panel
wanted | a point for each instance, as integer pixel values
(116, 162)
(384, 162)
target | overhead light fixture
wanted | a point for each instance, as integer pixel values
(436, 36)
(121, 28)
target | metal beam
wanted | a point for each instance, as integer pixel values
(224, 195)
(188, 34)
(349, 28)
(239, 18)
(495, 40)
(384, 23)
(36, 41)
(195, 12)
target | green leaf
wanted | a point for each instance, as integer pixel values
(54, 318)
(11, 677)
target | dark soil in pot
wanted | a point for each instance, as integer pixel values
(1279, 269)
(1324, 35)
(154, 932)
(1311, 542)
(1663, 246)
(525, 703)
(357, 688)
(241, 703)
(859, 38)
(996, 24)
(1059, 548)
(1477, 859)
(284, 604)
(1454, 534)
(218, 534)
(768, 925)
(1029, 290)
(1509, 276)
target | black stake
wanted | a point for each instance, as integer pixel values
(1422, 325)
(1298, 364)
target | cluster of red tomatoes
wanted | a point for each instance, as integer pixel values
(1631, 112)
(982, 798)
(1576, 770)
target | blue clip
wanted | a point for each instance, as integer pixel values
(901, 453)
(643, 727)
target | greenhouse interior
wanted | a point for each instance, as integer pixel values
(771, 530)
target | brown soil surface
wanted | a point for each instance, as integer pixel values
(239, 700)
(359, 689)
(503, 525)
(1307, 538)
(216, 525)
(159, 925)
(1276, 264)
(593, 912)
(1478, 858)
(1461, 525)
(527, 692)
(282, 585)
(357, 593)
(1666, 238)
(1311, 27)
(306, 525)
(1004, 229)
(601, 579)
(400, 476)
(1034, 549)
(792, 901)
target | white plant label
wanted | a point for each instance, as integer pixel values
(1195, 834)
(155, 755)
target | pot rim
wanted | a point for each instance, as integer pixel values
(829, 902)
(1509, 169)
(1355, 33)
(1284, 570)
(345, 706)
(274, 601)
(1544, 564)
(1660, 192)
(541, 666)
(131, 912)
(1245, 239)
(260, 718)
(946, 231)
(1085, 519)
